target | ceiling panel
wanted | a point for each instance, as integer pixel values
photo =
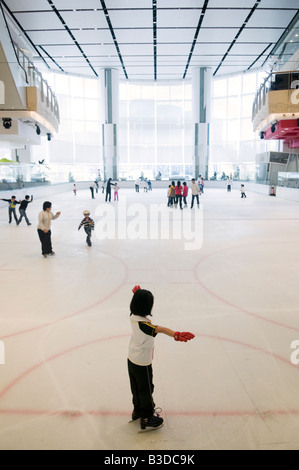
(271, 18)
(132, 4)
(92, 36)
(224, 18)
(38, 20)
(180, 4)
(279, 4)
(131, 18)
(260, 35)
(53, 37)
(244, 4)
(217, 34)
(244, 49)
(84, 19)
(24, 5)
(134, 35)
(175, 35)
(177, 18)
(209, 48)
(75, 4)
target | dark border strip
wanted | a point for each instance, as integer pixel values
(238, 34)
(203, 11)
(51, 58)
(113, 37)
(71, 35)
(3, 4)
(155, 37)
(261, 54)
(283, 36)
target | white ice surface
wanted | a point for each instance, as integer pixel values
(65, 327)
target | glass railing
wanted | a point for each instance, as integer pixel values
(35, 79)
(275, 81)
(18, 174)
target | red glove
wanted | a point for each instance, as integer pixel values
(184, 337)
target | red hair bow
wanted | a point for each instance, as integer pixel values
(135, 289)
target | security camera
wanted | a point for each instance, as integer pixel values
(6, 123)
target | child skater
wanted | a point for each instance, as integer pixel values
(140, 357)
(12, 202)
(243, 191)
(22, 209)
(116, 192)
(88, 224)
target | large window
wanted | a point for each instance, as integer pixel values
(155, 130)
(78, 142)
(233, 144)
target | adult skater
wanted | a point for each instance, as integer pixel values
(22, 209)
(44, 228)
(194, 192)
(108, 190)
(12, 202)
(88, 225)
(141, 354)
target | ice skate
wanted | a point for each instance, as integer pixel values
(151, 424)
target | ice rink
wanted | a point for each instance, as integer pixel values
(65, 323)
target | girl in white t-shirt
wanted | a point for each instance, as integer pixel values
(141, 355)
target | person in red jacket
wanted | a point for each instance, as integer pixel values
(185, 193)
(178, 194)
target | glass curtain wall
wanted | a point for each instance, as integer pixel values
(76, 150)
(233, 144)
(155, 130)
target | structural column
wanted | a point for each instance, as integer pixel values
(201, 108)
(109, 96)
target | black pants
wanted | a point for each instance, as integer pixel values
(45, 239)
(197, 199)
(108, 195)
(178, 200)
(12, 211)
(88, 233)
(142, 387)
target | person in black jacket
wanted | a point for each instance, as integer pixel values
(108, 189)
(22, 209)
(12, 202)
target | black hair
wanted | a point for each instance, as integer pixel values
(47, 205)
(27, 197)
(142, 303)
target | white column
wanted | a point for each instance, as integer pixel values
(109, 102)
(201, 108)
